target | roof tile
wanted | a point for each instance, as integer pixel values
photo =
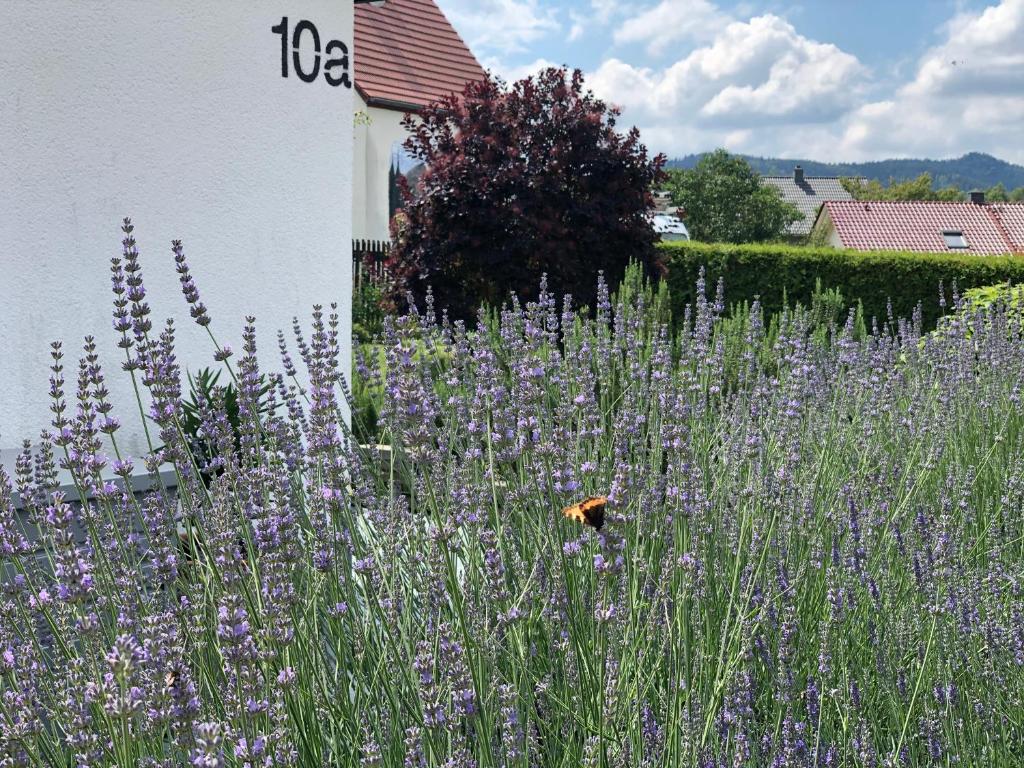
(868, 225)
(406, 51)
(807, 196)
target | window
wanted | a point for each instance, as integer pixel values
(954, 238)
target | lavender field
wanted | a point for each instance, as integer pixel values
(813, 551)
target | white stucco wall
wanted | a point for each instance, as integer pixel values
(833, 237)
(175, 113)
(375, 140)
(824, 231)
(360, 137)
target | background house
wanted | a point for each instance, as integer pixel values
(407, 55)
(923, 225)
(807, 193)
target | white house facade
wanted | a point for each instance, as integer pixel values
(227, 125)
(407, 55)
(378, 132)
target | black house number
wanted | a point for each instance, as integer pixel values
(334, 59)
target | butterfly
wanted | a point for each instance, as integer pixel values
(171, 681)
(590, 511)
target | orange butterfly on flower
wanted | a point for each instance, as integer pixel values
(171, 680)
(590, 511)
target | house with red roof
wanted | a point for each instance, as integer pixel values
(406, 55)
(975, 227)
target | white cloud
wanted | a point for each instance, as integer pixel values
(510, 73)
(500, 26)
(967, 93)
(605, 9)
(578, 28)
(759, 86)
(670, 22)
(752, 73)
(806, 81)
(597, 17)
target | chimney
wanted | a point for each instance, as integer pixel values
(798, 175)
(977, 197)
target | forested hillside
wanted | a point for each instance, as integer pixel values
(974, 170)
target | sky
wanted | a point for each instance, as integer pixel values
(830, 80)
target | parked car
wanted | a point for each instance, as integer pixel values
(669, 226)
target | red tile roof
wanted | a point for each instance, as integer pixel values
(407, 55)
(990, 228)
(1012, 217)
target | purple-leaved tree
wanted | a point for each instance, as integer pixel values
(522, 180)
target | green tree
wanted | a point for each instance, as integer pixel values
(394, 189)
(1017, 196)
(724, 201)
(997, 194)
(911, 189)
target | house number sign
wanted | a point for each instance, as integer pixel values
(334, 61)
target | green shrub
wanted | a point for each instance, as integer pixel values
(1001, 302)
(989, 295)
(367, 304)
(782, 274)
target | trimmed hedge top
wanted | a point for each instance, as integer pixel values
(772, 272)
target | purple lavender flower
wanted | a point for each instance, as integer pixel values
(188, 287)
(209, 749)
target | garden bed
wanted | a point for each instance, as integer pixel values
(812, 553)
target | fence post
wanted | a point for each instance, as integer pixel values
(370, 254)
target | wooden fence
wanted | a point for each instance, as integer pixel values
(369, 258)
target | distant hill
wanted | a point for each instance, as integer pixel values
(974, 170)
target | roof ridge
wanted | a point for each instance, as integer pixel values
(960, 203)
(790, 176)
(997, 220)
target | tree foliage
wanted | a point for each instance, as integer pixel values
(999, 194)
(920, 188)
(975, 170)
(724, 201)
(522, 180)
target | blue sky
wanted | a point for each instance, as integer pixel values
(823, 79)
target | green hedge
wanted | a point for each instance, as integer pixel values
(872, 277)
